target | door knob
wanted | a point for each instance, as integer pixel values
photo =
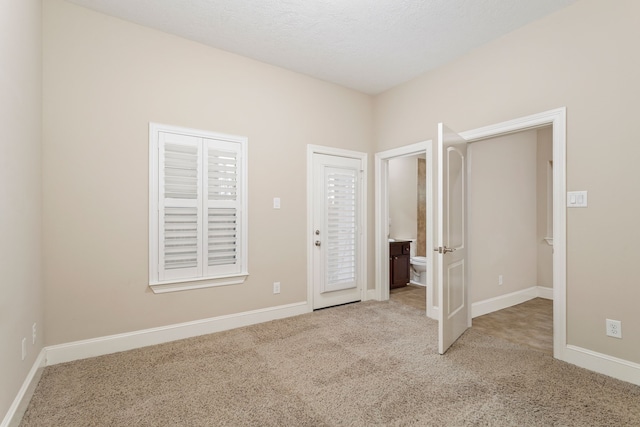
(443, 250)
(317, 242)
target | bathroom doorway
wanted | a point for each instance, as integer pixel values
(407, 230)
(404, 187)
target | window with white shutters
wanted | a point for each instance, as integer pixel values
(198, 233)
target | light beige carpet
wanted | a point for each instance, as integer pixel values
(363, 364)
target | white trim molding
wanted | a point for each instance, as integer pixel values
(545, 292)
(501, 302)
(127, 341)
(184, 285)
(603, 364)
(20, 403)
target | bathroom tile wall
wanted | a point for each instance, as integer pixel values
(422, 208)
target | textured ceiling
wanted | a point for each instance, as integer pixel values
(367, 45)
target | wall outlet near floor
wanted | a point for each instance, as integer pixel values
(24, 348)
(614, 328)
(276, 287)
(500, 280)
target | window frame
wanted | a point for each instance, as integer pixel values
(204, 281)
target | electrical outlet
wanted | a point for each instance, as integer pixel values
(276, 287)
(614, 328)
(500, 280)
(33, 334)
(24, 348)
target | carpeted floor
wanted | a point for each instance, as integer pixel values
(365, 364)
(529, 323)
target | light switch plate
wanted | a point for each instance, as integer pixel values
(577, 199)
(276, 203)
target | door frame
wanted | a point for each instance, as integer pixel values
(382, 217)
(555, 118)
(362, 217)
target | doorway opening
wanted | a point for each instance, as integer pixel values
(556, 119)
(510, 259)
(385, 232)
(407, 231)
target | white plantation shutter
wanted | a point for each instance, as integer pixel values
(341, 229)
(223, 207)
(180, 206)
(197, 208)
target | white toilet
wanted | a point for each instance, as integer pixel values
(418, 267)
(419, 270)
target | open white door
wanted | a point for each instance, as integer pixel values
(453, 292)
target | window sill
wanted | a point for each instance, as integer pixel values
(185, 285)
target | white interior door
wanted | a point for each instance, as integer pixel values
(337, 190)
(453, 290)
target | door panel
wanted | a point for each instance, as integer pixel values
(454, 314)
(455, 189)
(336, 213)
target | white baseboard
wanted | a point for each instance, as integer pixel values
(371, 295)
(121, 342)
(503, 301)
(507, 300)
(603, 364)
(545, 292)
(20, 403)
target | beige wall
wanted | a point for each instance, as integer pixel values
(105, 80)
(403, 198)
(583, 57)
(502, 215)
(544, 154)
(21, 292)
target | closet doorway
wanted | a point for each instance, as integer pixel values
(554, 118)
(510, 237)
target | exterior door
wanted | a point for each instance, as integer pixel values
(453, 290)
(337, 204)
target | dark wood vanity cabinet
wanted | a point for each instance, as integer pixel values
(399, 264)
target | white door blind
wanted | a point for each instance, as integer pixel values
(179, 206)
(341, 228)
